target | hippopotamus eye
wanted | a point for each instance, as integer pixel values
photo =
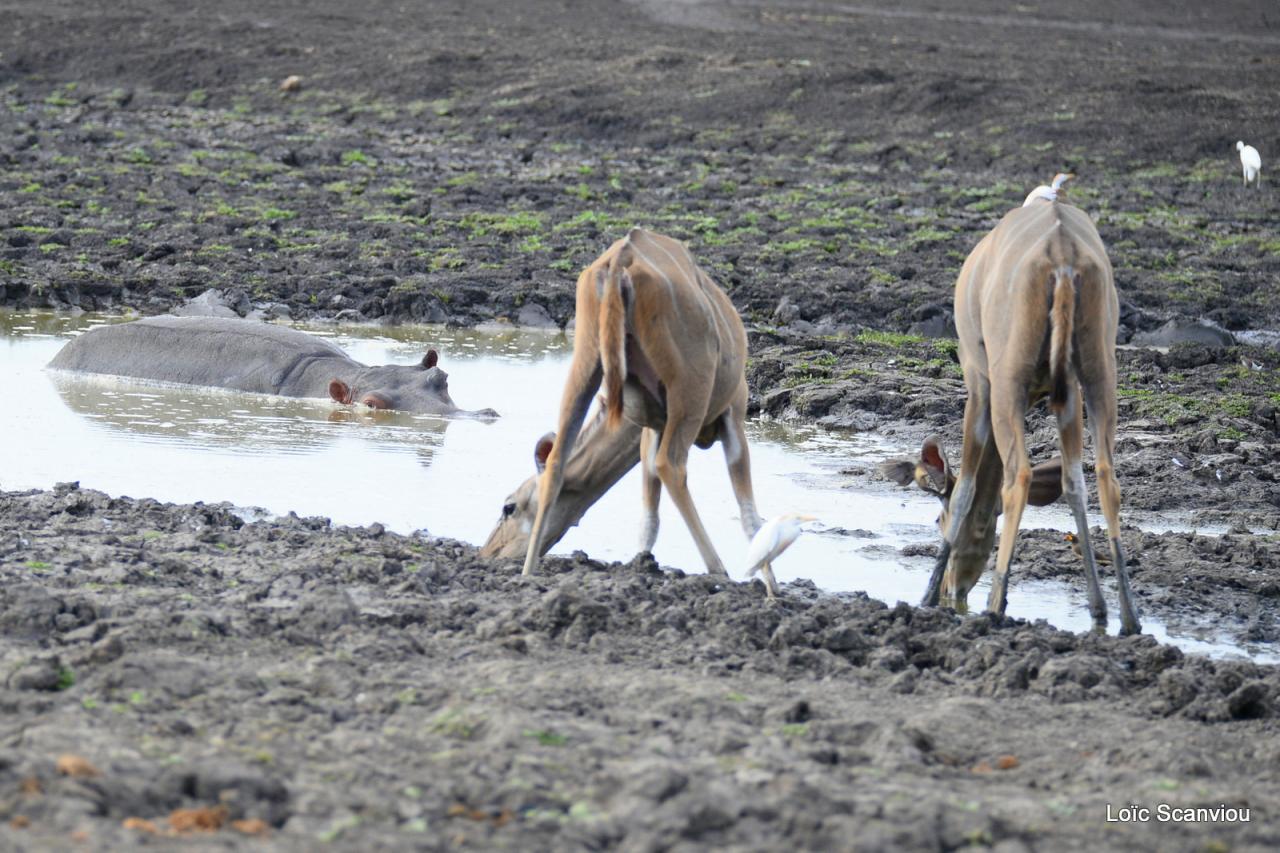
(508, 509)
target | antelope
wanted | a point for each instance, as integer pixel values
(1036, 314)
(670, 351)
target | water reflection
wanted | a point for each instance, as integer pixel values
(249, 423)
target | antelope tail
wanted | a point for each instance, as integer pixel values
(1061, 320)
(613, 333)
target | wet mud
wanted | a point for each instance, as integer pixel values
(355, 686)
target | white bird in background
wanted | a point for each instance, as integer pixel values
(1049, 193)
(1251, 163)
(773, 537)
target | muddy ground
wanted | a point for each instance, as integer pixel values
(382, 692)
(831, 164)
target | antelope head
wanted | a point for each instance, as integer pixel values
(509, 538)
(601, 458)
(932, 473)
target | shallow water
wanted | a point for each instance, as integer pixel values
(313, 457)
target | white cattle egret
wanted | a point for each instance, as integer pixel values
(1049, 193)
(773, 537)
(1250, 164)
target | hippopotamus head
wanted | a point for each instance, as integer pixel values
(421, 388)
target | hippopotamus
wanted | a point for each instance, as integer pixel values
(245, 355)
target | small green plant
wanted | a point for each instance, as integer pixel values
(356, 157)
(454, 723)
(66, 678)
(337, 828)
(887, 339)
(546, 737)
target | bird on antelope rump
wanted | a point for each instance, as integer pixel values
(1250, 164)
(1036, 315)
(773, 537)
(1050, 192)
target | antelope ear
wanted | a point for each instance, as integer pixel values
(542, 450)
(1046, 482)
(429, 360)
(900, 471)
(934, 465)
(340, 391)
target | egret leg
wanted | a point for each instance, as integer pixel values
(770, 582)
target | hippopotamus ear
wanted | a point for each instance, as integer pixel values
(340, 391)
(542, 450)
(429, 360)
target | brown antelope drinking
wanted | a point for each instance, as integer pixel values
(670, 350)
(1036, 314)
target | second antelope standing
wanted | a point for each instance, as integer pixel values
(1036, 314)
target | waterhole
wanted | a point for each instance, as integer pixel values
(450, 477)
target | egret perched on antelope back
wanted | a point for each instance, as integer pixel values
(1049, 193)
(773, 537)
(1250, 164)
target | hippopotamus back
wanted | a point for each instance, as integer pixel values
(227, 353)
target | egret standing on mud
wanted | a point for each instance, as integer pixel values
(1250, 164)
(773, 537)
(1049, 193)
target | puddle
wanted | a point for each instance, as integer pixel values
(183, 444)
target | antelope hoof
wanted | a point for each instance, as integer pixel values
(1130, 626)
